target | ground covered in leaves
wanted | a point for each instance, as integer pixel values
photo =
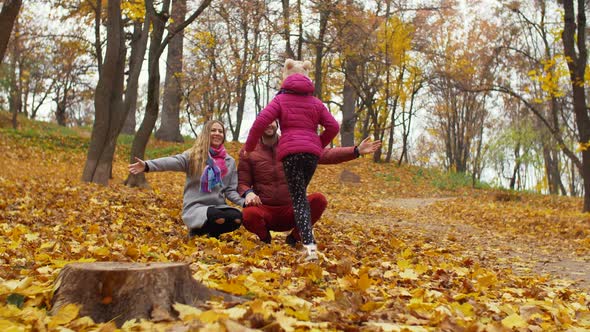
(404, 249)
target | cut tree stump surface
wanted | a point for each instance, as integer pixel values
(122, 291)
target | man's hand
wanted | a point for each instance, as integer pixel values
(137, 167)
(368, 146)
(252, 199)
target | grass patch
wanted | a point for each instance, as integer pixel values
(455, 180)
(388, 177)
(125, 139)
(153, 152)
(51, 139)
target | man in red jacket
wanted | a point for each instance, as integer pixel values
(262, 183)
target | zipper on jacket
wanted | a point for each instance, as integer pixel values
(274, 171)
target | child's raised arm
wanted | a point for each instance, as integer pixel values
(330, 125)
(270, 113)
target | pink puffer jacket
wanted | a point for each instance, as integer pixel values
(299, 114)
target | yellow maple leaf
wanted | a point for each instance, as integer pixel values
(409, 274)
(301, 313)
(65, 315)
(31, 237)
(82, 323)
(101, 251)
(235, 312)
(514, 320)
(9, 311)
(403, 264)
(407, 253)
(287, 323)
(132, 253)
(487, 279)
(36, 289)
(186, 312)
(465, 309)
(364, 282)
(330, 296)
(8, 326)
(212, 316)
(421, 268)
(370, 306)
(233, 287)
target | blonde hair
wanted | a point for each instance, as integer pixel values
(199, 152)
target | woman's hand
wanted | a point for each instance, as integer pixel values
(368, 146)
(137, 167)
(252, 199)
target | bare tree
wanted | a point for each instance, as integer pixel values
(157, 45)
(108, 102)
(138, 47)
(8, 16)
(170, 118)
(574, 37)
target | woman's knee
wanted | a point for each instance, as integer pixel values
(233, 214)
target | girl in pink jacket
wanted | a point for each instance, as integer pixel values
(299, 114)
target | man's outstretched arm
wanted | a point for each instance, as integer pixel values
(343, 154)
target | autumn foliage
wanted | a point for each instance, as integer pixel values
(400, 252)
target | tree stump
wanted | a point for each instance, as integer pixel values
(122, 291)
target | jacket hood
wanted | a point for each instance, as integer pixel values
(298, 83)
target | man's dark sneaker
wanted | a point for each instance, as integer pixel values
(291, 241)
(267, 239)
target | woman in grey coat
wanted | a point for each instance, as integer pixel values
(211, 177)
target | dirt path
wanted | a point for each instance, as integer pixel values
(531, 257)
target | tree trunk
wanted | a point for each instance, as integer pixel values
(299, 31)
(151, 110)
(108, 103)
(60, 112)
(575, 35)
(242, 80)
(407, 125)
(113, 291)
(551, 168)
(516, 166)
(349, 97)
(8, 16)
(243, 85)
(157, 46)
(319, 50)
(572, 183)
(130, 122)
(170, 119)
(399, 81)
(97, 42)
(287, 29)
(138, 48)
(15, 98)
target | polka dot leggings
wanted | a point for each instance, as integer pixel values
(299, 169)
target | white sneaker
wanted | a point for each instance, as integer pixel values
(310, 252)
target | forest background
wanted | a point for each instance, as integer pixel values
(481, 88)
